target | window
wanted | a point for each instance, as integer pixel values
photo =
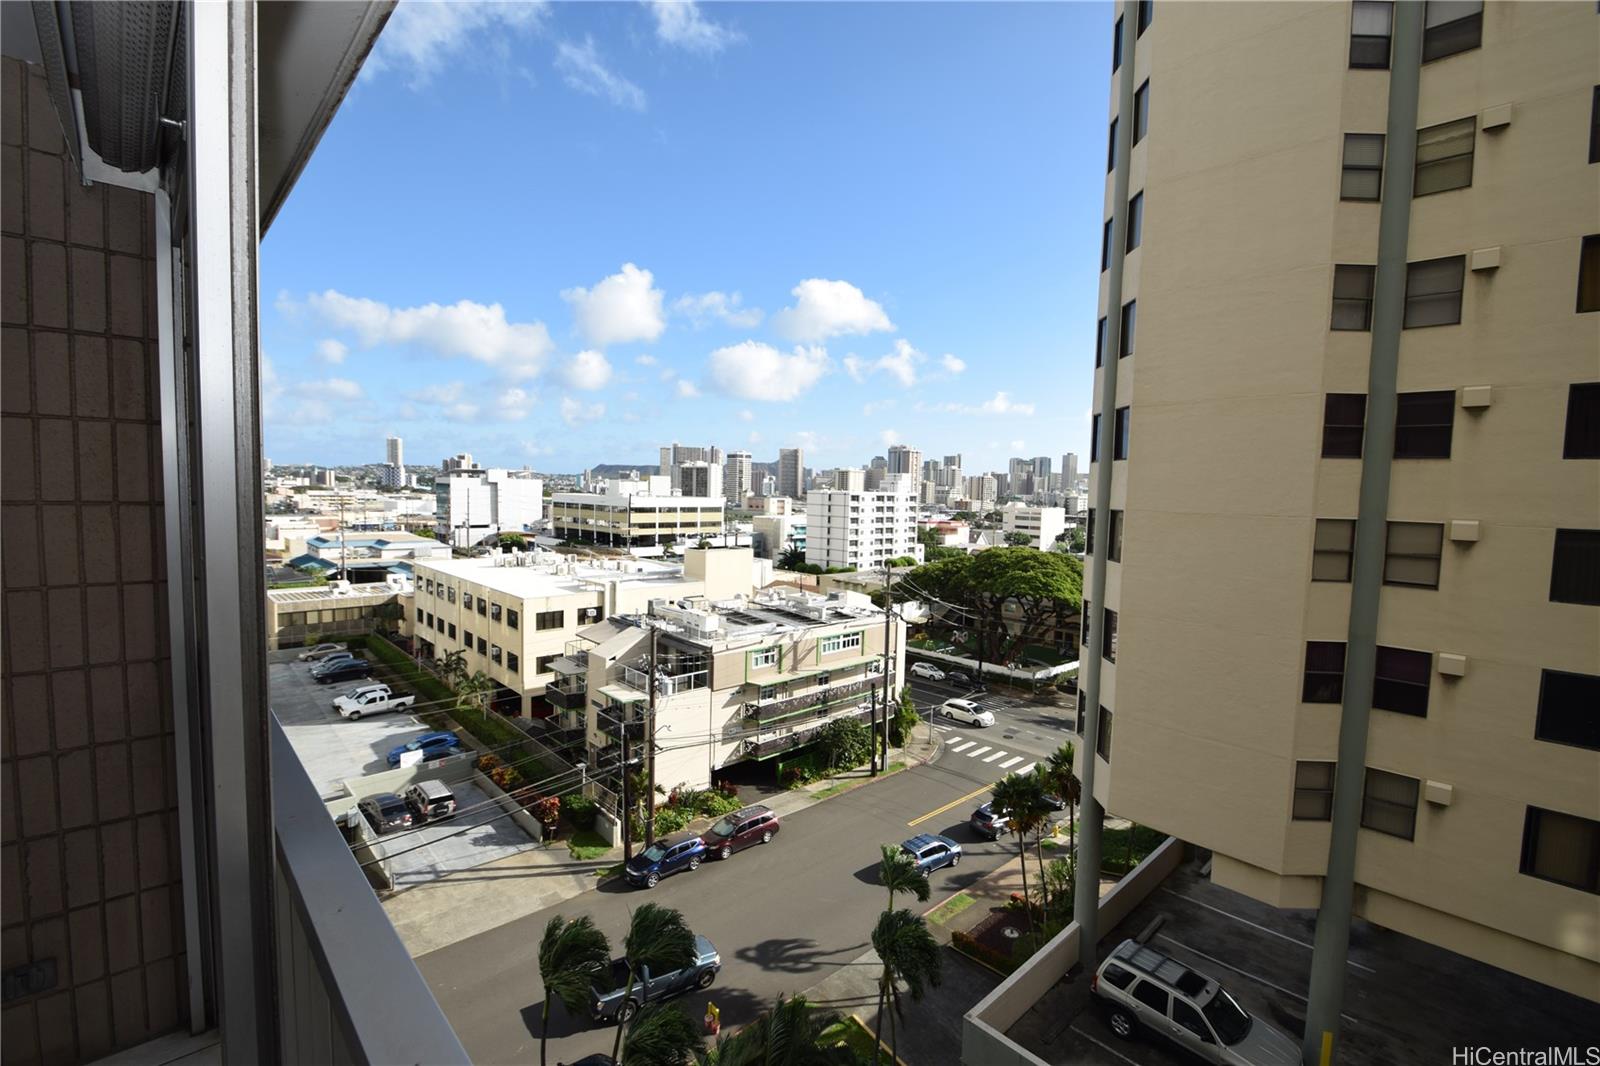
(768, 692)
(1190, 1019)
(760, 660)
(541, 663)
(1333, 549)
(1111, 151)
(841, 642)
(1422, 424)
(512, 662)
(1583, 422)
(1400, 681)
(1152, 995)
(1352, 297)
(1594, 127)
(1135, 221)
(1451, 26)
(1088, 534)
(1119, 448)
(1411, 554)
(452, 628)
(430, 621)
(466, 600)
(512, 617)
(1116, 975)
(1105, 245)
(549, 619)
(1324, 678)
(1389, 804)
(1444, 157)
(1100, 345)
(1362, 176)
(420, 615)
(1344, 416)
(1575, 567)
(1569, 709)
(1313, 792)
(466, 639)
(1141, 112)
(1433, 291)
(1088, 615)
(483, 605)
(483, 646)
(1102, 741)
(1129, 320)
(494, 653)
(1116, 47)
(1114, 545)
(1563, 848)
(1371, 22)
(1589, 275)
(429, 586)
(1108, 639)
(450, 593)
(1094, 439)
(494, 612)
(1145, 11)
(824, 678)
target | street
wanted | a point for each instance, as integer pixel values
(1023, 734)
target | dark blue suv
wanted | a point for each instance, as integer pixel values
(427, 743)
(665, 858)
(932, 851)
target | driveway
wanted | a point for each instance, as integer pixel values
(478, 835)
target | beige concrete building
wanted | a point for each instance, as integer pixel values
(644, 516)
(1317, 277)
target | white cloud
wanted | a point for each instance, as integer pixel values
(687, 390)
(623, 307)
(1000, 403)
(807, 440)
(588, 370)
(580, 67)
(338, 388)
(451, 400)
(872, 407)
(331, 351)
(755, 371)
(1019, 445)
(512, 405)
(680, 23)
(465, 328)
(422, 38)
(304, 403)
(708, 307)
(855, 367)
(754, 438)
(826, 309)
(645, 360)
(667, 373)
(900, 364)
(447, 392)
(887, 437)
(952, 364)
(573, 412)
(747, 415)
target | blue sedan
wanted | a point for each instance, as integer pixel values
(427, 743)
(664, 858)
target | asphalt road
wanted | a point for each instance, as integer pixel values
(1023, 733)
(784, 915)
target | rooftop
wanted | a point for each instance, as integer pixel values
(538, 573)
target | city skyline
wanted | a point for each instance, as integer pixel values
(532, 329)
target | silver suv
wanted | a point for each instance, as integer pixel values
(1144, 989)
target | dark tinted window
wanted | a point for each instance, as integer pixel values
(1371, 23)
(1130, 315)
(1583, 421)
(1088, 534)
(1114, 545)
(1444, 157)
(1108, 639)
(1135, 221)
(1594, 127)
(1575, 567)
(1111, 148)
(1102, 740)
(1433, 292)
(1141, 112)
(1361, 175)
(1333, 548)
(1589, 274)
(1344, 416)
(1324, 677)
(1411, 554)
(1100, 344)
(1117, 976)
(1400, 681)
(1190, 1019)
(1153, 996)
(1094, 439)
(1146, 10)
(1313, 791)
(1569, 709)
(1389, 803)
(1563, 848)
(1423, 422)
(1105, 245)
(1451, 26)
(1352, 297)
(1120, 441)
(1116, 47)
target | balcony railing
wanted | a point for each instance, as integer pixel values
(639, 681)
(612, 721)
(781, 708)
(763, 746)
(347, 988)
(567, 699)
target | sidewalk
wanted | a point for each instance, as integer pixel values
(924, 748)
(991, 894)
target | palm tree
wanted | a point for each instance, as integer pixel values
(453, 667)
(1020, 801)
(788, 1035)
(898, 872)
(659, 940)
(791, 558)
(571, 955)
(474, 692)
(909, 954)
(661, 1036)
(1064, 783)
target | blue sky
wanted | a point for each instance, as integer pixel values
(564, 235)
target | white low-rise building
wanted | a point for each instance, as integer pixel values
(1042, 525)
(848, 527)
(472, 505)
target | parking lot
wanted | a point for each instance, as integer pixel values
(337, 752)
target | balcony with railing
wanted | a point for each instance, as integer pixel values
(615, 719)
(568, 692)
(822, 697)
(765, 744)
(667, 684)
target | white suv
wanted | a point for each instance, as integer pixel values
(928, 671)
(968, 712)
(1144, 989)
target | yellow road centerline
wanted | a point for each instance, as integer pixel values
(953, 803)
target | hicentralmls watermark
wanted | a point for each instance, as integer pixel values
(1544, 1056)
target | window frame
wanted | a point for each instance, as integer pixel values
(1100, 343)
(1143, 14)
(1111, 147)
(1589, 275)
(1160, 990)
(1114, 531)
(1368, 801)
(512, 618)
(1386, 38)
(1116, 46)
(1102, 738)
(763, 658)
(1430, 167)
(542, 620)
(1391, 554)
(1342, 428)
(1571, 704)
(1108, 637)
(1581, 439)
(1577, 542)
(1105, 245)
(513, 663)
(1135, 232)
(1121, 438)
(1415, 438)
(1413, 299)
(1309, 675)
(1532, 820)
(1130, 323)
(1094, 437)
(1348, 278)
(1347, 169)
(1141, 112)
(1315, 790)
(841, 642)
(1396, 693)
(1320, 550)
(1438, 44)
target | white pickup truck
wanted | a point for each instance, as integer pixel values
(373, 699)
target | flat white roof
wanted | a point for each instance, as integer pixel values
(563, 579)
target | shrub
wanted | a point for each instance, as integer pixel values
(670, 820)
(580, 810)
(488, 763)
(793, 777)
(716, 804)
(505, 777)
(547, 809)
(967, 944)
(844, 742)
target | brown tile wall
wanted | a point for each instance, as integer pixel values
(87, 768)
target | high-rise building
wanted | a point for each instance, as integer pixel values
(459, 461)
(1403, 658)
(698, 478)
(1019, 477)
(1041, 473)
(904, 459)
(1069, 472)
(953, 460)
(791, 472)
(769, 485)
(847, 526)
(674, 455)
(736, 477)
(393, 475)
(982, 490)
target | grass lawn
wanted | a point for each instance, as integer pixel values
(950, 908)
(852, 1033)
(586, 845)
(846, 786)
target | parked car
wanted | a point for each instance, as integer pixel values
(966, 711)
(333, 659)
(752, 825)
(1145, 990)
(376, 699)
(986, 823)
(665, 858)
(361, 690)
(318, 652)
(342, 670)
(961, 677)
(932, 851)
(429, 801)
(426, 743)
(608, 1004)
(927, 671)
(386, 811)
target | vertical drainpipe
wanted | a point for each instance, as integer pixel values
(1366, 580)
(1086, 890)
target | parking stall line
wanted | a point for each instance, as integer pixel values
(995, 756)
(1243, 973)
(1011, 762)
(1101, 1044)
(960, 745)
(1253, 925)
(976, 751)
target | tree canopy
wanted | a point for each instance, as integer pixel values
(1042, 589)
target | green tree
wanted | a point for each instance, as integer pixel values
(1043, 590)
(513, 542)
(791, 558)
(905, 718)
(909, 955)
(1020, 801)
(790, 1034)
(933, 555)
(659, 939)
(453, 667)
(844, 742)
(927, 537)
(1018, 539)
(1076, 539)
(661, 1035)
(572, 956)
(1063, 781)
(473, 693)
(898, 872)
(702, 543)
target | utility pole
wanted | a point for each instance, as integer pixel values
(872, 694)
(888, 662)
(650, 746)
(626, 812)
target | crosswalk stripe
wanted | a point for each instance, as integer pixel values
(976, 751)
(1023, 771)
(959, 745)
(1011, 762)
(995, 756)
